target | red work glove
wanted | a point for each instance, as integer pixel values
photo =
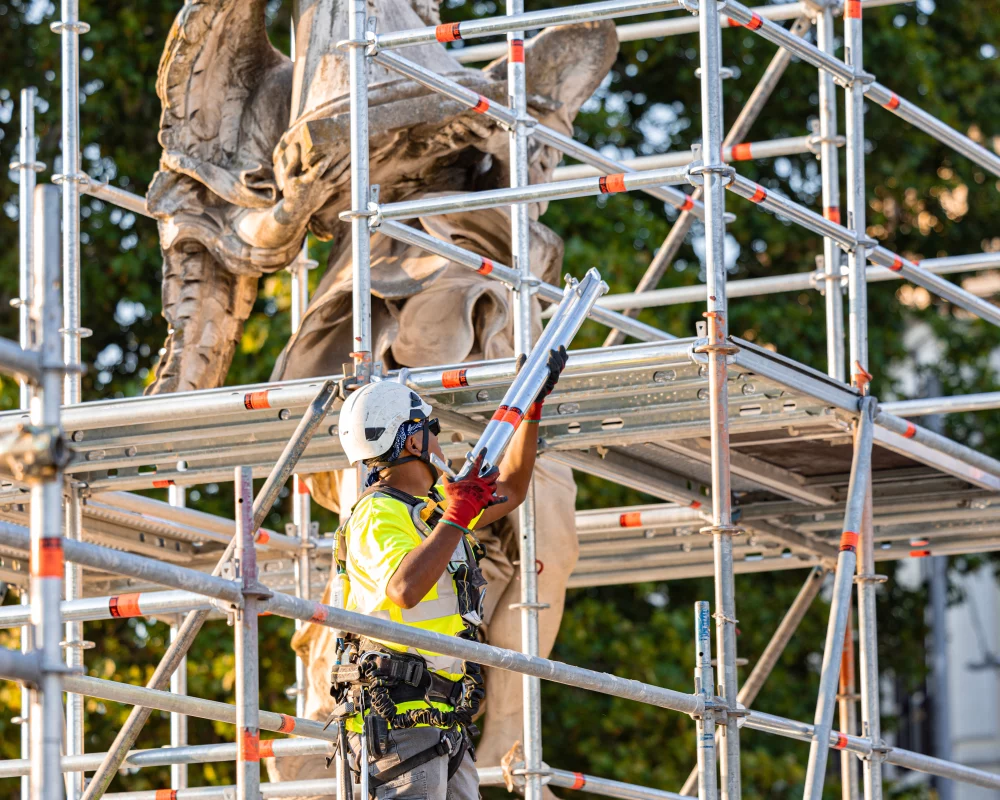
(556, 364)
(468, 496)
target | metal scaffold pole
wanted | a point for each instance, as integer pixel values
(714, 175)
(840, 604)
(301, 500)
(829, 161)
(871, 726)
(47, 511)
(245, 645)
(847, 711)
(704, 682)
(517, 96)
(361, 313)
(178, 681)
(27, 167)
(72, 178)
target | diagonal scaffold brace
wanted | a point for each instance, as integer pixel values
(841, 602)
(193, 621)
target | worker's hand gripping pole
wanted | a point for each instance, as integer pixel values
(578, 300)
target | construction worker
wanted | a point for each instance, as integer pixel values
(408, 555)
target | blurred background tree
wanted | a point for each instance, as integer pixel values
(919, 193)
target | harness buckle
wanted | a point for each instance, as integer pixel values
(413, 672)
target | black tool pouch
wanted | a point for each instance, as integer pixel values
(377, 733)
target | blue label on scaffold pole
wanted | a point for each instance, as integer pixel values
(704, 625)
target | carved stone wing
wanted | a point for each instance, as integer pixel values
(225, 93)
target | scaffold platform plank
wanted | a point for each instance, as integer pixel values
(635, 414)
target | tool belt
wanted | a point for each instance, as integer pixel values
(406, 677)
(375, 679)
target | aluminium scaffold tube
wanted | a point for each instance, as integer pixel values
(803, 732)
(69, 27)
(118, 606)
(27, 167)
(24, 667)
(841, 601)
(504, 274)
(857, 243)
(492, 776)
(118, 197)
(845, 73)
(704, 683)
(45, 541)
(245, 646)
(829, 162)
(361, 309)
(584, 187)
(20, 362)
(191, 706)
(296, 608)
(189, 754)
(292, 607)
(301, 499)
(224, 712)
(489, 776)
(793, 282)
(848, 713)
(578, 781)
(516, 22)
(177, 496)
(27, 646)
(741, 151)
(985, 401)
(857, 292)
(315, 413)
(137, 567)
(740, 129)
(674, 26)
(775, 647)
(504, 116)
(713, 174)
(500, 430)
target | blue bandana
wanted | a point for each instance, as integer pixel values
(406, 430)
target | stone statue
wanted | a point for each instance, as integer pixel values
(256, 154)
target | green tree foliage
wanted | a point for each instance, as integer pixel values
(925, 201)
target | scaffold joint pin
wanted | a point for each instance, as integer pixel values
(78, 27)
(697, 169)
(719, 530)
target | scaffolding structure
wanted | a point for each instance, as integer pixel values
(717, 428)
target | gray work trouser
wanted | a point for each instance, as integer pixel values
(427, 781)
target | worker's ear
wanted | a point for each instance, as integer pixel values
(413, 444)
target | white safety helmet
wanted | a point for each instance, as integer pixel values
(373, 414)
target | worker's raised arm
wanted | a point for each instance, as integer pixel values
(421, 568)
(519, 460)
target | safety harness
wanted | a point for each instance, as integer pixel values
(373, 679)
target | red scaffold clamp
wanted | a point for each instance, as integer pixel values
(716, 342)
(861, 378)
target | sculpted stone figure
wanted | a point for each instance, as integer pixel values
(256, 154)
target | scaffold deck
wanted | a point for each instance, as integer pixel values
(634, 414)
